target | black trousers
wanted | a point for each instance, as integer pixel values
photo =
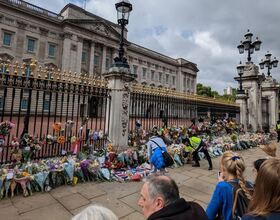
(202, 148)
(278, 136)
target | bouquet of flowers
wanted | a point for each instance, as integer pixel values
(30, 145)
(5, 129)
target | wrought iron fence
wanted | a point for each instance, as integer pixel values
(35, 100)
(165, 107)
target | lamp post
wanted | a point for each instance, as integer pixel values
(240, 71)
(248, 45)
(267, 62)
(123, 8)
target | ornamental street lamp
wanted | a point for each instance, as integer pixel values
(268, 63)
(248, 45)
(240, 71)
(123, 8)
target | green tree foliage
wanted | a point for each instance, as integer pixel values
(208, 92)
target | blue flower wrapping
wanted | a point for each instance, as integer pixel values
(40, 178)
(69, 169)
(178, 160)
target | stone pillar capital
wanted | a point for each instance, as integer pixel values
(80, 39)
(21, 24)
(67, 35)
(43, 31)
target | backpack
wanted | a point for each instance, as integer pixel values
(240, 201)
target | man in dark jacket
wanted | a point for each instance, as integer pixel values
(160, 201)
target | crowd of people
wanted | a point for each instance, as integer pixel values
(234, 197)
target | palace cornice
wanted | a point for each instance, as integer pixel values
(152, 54)
(26, 10)
(77, 8)
(85, 30)
(158, 56)
(90, 21)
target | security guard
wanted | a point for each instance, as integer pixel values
(199, 146)
(278, 130)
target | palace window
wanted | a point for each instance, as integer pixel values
(173, 80)
(144, 73)
(52, 50)
(135, 68)
(24, 104)
(152, 75)
(167, 78)
(96, 60)
(1, 102)
(31, 45)
(84, 57)
(159, 77)
(46, 105)
(7, 39)
(107, 63)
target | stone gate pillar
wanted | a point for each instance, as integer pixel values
(117, 116)
(251, 81)
(270, 90)
(241, 99)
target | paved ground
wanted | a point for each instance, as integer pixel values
(196, 184)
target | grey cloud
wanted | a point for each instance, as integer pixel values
(226, 21)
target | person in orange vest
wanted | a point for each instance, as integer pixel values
(199, 146)
(278, 130)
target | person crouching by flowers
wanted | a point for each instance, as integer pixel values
(155, 146)
(232, 168)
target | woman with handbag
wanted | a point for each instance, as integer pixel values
(231, 175)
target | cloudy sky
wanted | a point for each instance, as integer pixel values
(205, 32)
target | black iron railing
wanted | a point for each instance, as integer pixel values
(36, 102)
(165, 107)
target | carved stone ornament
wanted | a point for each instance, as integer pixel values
(124, 119)
(250, 69)
(5, 57)
(21, 24)
(101, 28)
(44, 31)
(67, 35)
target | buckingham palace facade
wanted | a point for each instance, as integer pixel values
(78, 41)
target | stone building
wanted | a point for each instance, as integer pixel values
(82, 42)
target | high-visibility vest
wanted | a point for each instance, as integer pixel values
(278, 126)
(195, 142)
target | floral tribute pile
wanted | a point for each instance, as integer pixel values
(26, 174)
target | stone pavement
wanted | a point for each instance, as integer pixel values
(196, 184)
